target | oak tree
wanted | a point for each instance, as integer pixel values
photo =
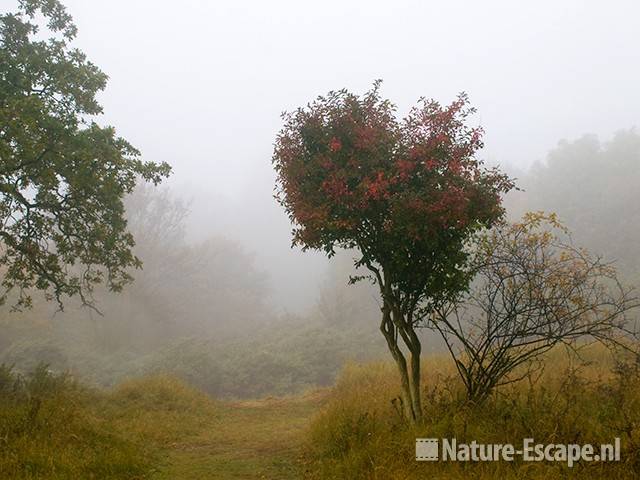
(62, 176)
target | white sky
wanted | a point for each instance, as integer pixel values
(201, 84)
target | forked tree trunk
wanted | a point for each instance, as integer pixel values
(409, 378)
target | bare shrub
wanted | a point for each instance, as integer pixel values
(533, 289)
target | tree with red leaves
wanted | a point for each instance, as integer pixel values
(405, 194)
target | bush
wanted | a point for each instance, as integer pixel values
(281, 360)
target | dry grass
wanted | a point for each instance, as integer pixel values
(53, 428)
(153, 428)
(359, 435)
(258, 439)
(160, 428)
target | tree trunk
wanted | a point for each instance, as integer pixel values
(410, 383)
(415, 348)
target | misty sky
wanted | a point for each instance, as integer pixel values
(201, 84)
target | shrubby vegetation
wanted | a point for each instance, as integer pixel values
(532, 289)
(280, 360)
(276, 360)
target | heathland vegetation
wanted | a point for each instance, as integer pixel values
(158, 427)
(453, 306)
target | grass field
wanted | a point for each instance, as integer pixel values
(154, 427)
(260, 439)
(358, 435)
(160, 428)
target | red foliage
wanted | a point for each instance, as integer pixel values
(376, 188)
(398, 189)
(335, 145)
(335, 188)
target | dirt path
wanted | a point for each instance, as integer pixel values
(260, 439)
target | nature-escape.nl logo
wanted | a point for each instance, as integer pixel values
(428, 449)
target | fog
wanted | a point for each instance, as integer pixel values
(201, 85)
(223, 301)
(480, 268)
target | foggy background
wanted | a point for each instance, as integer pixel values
(223, 301)
(201, 85)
